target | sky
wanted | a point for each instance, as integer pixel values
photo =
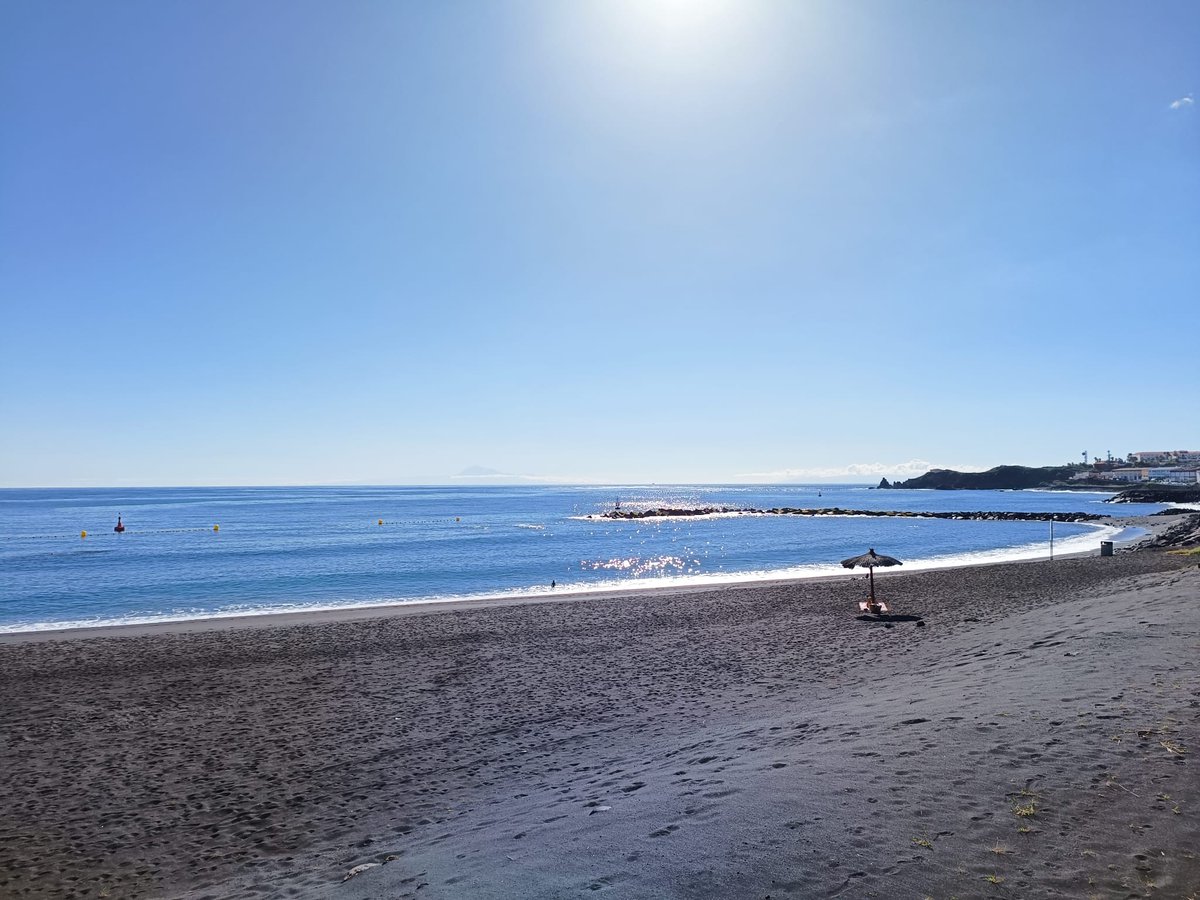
(663, 241)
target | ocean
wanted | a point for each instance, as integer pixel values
(193, 553)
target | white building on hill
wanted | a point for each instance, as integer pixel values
(1179, 457)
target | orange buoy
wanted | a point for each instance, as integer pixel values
(381, 521)
(120, 527)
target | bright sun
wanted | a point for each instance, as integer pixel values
(674, 32)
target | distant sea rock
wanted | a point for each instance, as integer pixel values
(1001, 478)
(884, 483)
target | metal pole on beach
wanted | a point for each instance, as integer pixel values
(1052, 537)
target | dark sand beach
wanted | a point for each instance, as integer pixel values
(1036, 736)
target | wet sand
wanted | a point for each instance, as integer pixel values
(1033, 736)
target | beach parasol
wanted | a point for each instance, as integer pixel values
(870, 560)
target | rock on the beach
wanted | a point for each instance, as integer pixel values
(358, 870)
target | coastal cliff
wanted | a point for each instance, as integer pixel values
(1017, 478)
(1000, 478)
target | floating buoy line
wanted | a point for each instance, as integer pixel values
(85, 534)
(121, 529)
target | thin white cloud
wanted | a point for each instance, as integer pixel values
(857, 471)
(1189, 100)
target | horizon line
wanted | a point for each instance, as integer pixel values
(439, 484)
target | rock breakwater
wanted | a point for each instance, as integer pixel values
(977, 515)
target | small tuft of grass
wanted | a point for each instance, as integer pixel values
(993, 879)
(1000, 850)
(1027, 809)
(1173, 747)
(923, 842)
(1024, 829)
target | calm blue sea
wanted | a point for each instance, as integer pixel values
(283, 549)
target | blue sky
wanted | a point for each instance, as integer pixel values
(600, 241)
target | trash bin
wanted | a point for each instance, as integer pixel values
(1106, 548)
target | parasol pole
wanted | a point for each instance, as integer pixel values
(871, 571)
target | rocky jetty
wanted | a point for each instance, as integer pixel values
(978, 515)
(1159, 493)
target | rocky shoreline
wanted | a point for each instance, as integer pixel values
(980, 515)
(1179, 535)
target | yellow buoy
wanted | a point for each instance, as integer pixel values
(83, 534)
(381, 521)
(216, 528)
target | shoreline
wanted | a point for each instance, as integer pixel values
(370, 610)
(738, 741)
